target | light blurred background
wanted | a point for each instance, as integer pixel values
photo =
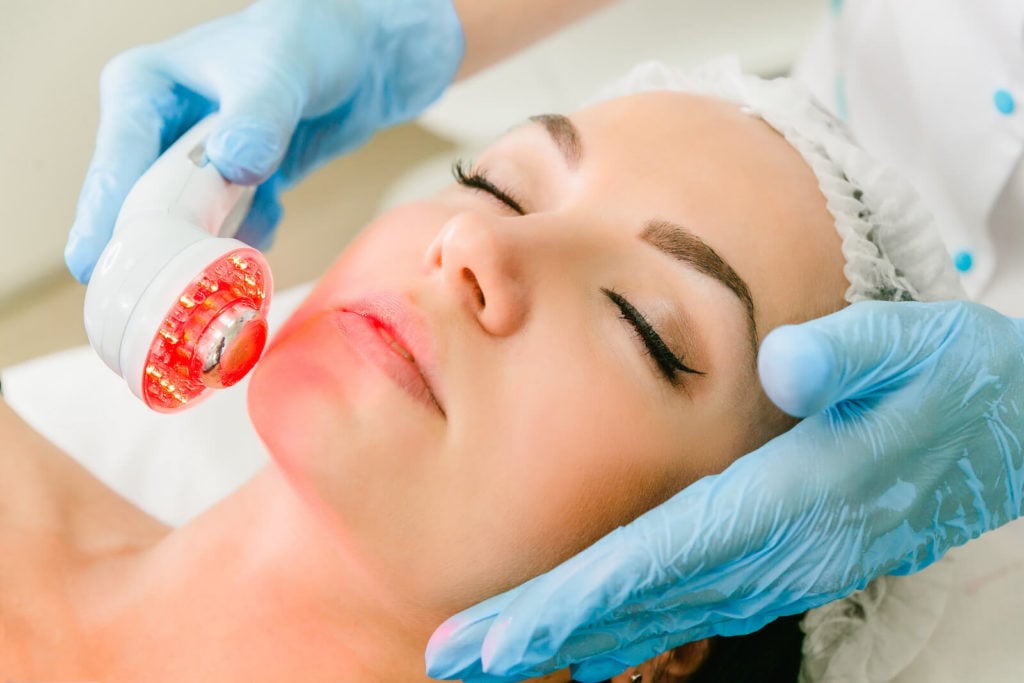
(52, 51)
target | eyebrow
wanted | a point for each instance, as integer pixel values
(684, 246)
(565, 136)
(667, 237)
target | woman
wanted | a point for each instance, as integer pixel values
(299, 82)
(483, 384)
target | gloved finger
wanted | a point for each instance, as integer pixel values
(254, 129)
(484, 678)
(128, 140)
(855, 352)
(598, 669)
(602, 667)
(454, 648)
(257, 228)
(535, 625)
(600, 652)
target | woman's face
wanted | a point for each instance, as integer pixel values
(489, 380)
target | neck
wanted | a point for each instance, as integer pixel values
(255, 589)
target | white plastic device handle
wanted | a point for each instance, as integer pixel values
(176, 220)
(182, 183)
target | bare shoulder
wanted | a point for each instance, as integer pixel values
(46, 489)
(54, 515)
(23, 521)
(24, 482)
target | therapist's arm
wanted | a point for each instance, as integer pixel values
(496, 30)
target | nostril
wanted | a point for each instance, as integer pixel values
(471, 279)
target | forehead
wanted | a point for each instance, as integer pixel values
(694, 140)
(680, 112)
(731, 179)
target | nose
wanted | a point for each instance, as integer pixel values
(478, 262)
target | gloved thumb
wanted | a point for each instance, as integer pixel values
(853, 353)
(253, 132)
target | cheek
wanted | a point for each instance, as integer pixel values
(576, 459)
(591, 456)
(388, 252)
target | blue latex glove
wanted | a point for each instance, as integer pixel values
(296, 81)
(913, 446)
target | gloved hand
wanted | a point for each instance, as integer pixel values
(296, 81)
(913, 446)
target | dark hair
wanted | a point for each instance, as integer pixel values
(767, 656)
(770, 655)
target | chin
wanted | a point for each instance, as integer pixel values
(296, 396)
(319, 408)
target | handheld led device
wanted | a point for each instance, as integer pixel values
(175, 306)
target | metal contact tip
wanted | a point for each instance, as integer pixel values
(231, 344)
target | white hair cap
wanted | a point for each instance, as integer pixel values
(892, 249)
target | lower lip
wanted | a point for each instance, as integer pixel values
(365, 336)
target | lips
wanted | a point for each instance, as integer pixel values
(393, 343)
(392, 337)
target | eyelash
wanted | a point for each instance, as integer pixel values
(669, 363)
(478, 180)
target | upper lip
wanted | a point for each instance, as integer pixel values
(403, 323)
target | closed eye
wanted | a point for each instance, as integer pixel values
(477, 179)
(669, 364)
